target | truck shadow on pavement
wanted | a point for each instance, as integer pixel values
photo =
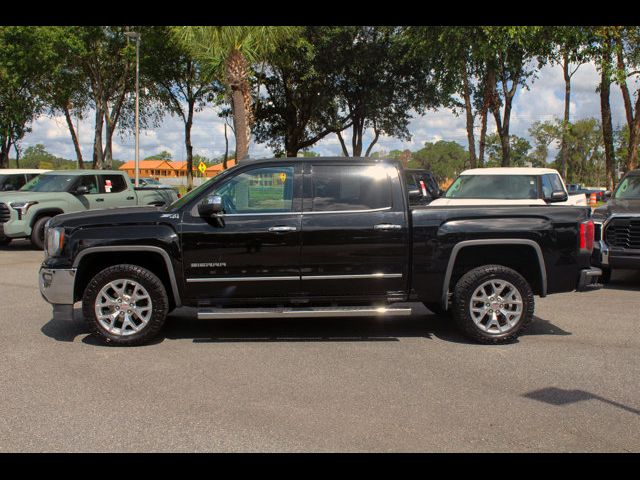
(560, 396)
(19, 246)
(183, 324)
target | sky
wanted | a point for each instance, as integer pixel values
(544, 100)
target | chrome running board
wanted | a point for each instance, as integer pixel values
(301, 312)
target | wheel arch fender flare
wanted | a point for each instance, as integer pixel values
(137, 248)
(444, 301)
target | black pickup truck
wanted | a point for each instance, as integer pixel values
(316, 237)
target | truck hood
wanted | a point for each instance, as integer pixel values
(110, 216)
(19, 196)
(622, 207)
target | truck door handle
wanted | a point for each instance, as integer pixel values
(282, 228)
(387, 226)
(99, 199)
(130, 198)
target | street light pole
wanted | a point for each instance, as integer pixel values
(136, 36)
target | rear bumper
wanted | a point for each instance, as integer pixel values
(589, 279)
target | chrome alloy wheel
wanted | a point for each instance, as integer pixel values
(496, 306)
(123, 307)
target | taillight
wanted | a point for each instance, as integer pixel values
(586, 236)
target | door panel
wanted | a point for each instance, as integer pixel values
(256, 253)
(354, 232)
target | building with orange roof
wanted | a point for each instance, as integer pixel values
(214, 170)
(150, 168)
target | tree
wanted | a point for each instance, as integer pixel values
(228, 53)
(178, 80)
(26, 57)
(543, 135)
(518, 149)
(514, 50)
(163, 155)
(300, 106)
(378, 79)
(569, 46)
(585, 152)
(445, 159)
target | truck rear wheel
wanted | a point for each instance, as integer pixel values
(37, 232)
(125, 304)
(492, 304)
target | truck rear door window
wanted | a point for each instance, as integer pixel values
(350, 187)
(112, 183)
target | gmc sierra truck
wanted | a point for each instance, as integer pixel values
(313, 237)
(24, 213)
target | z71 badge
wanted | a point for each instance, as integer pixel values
(170, 215)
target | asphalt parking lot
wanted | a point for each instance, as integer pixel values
(571, 383)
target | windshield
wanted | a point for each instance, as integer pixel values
(497, 187)
(49, 183)
(629, 188)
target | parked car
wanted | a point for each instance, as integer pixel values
(312, 237)
(15, 178)
(509, 186)
(422, 186)
(602, 194)
(617, 228)
(24, 213)
(149, 182)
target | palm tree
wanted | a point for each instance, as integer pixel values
(229, 52)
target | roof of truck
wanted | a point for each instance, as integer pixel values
(509, 171)
(84, 172)
(14, 171)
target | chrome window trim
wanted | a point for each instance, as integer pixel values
(382, 209)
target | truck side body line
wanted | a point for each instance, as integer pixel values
(506, 241)
(137, 248)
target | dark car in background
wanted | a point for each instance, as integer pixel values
(617, 228)
(422, 185)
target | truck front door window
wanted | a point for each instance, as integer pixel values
(262, 190)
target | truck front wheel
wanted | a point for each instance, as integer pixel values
(492, 304)
(125, 304)
(37, 232)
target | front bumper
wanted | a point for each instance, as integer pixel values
(589, 279)
(605, 257)
(56, 285)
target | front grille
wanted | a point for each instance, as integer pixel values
(4, 213)
(623, 233)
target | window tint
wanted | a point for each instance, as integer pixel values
(547, 187)
(112, 183)
(350, 187)
(512, 187)
(556, 183)
(261, 190)
(88, 181)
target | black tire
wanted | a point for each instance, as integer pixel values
(37, 232)
(150, 282)
(466, 287)
(437, 309)
(606, 276)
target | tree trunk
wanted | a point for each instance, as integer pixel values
(15, 147)
(345, 152)
(356, 139)
(74, 137)
(226, 147)
(187, 141)
(373, 142)
(629, 111)
(632, 162)
(564, 153)
(469, 113)
(483, 137)
(607, 129)
(97, 140)
(237, 72)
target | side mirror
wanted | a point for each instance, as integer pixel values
(558, 196)
(210, 206)
(82, 190)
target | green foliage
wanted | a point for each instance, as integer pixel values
(519, 149)
(36, 156)
(445, 159)
(164, 155)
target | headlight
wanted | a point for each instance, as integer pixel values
(21, 207)
(54, 241)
